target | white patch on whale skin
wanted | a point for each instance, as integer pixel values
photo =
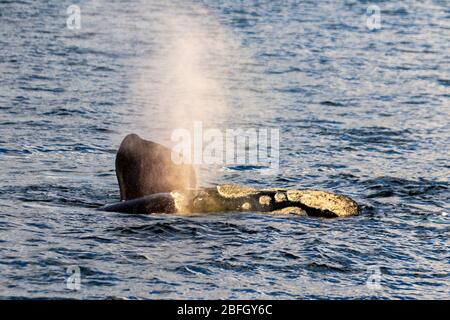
(265, 200)
(246, 206)
(280, 197)
(235, 191)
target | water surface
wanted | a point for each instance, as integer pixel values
(363, 113)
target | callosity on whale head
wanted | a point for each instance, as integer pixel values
(225, 198)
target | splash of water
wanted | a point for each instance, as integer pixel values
(185, 81)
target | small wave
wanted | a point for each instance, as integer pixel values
(386, 187)
(14, 151)
(44, 89)
(325, 267)
(246, 167)
(331, 103)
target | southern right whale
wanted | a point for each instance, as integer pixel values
(151, 183)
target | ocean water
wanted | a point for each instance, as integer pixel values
(361, 112)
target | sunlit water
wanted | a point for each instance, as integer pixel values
(363, 113)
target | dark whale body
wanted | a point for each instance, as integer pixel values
(145, 167)
(151, 183)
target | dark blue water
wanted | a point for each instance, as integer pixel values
(364, 113)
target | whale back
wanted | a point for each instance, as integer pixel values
(235, 198)
(145, 167)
